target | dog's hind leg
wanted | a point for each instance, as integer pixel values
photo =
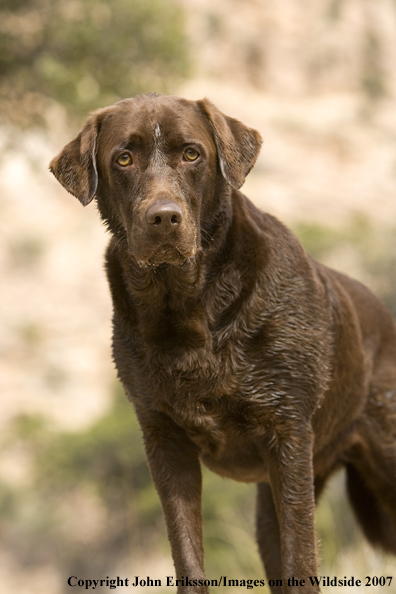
(371, 472)
(267, 534)
(377, 523)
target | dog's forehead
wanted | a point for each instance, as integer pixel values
(158, 119)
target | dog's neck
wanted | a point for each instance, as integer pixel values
(185, 310)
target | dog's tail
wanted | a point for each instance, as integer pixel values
(377, 524)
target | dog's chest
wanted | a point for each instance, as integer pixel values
(212, 397)
(218, 394)
(225, 429)
(202, 389)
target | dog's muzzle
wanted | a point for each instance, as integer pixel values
(165, 235)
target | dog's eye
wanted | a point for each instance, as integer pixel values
(190, 154)
(124, 160)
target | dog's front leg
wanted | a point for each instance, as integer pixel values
(176, 472)
(292, 484)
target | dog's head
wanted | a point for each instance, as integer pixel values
(159, 167)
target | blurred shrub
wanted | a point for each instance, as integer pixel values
(91, 501)
(228, 510)
(85, 54)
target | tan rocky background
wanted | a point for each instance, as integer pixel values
(317, 78)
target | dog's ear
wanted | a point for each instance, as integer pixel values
(75, 166)
(237, 145)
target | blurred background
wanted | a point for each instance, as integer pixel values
(317, 78)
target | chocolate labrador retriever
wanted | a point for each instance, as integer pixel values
(236, 348)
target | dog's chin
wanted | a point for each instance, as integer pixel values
(167, 254)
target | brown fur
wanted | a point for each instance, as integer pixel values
(236, 348)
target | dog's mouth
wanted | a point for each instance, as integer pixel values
(168, 254)
(151, 250)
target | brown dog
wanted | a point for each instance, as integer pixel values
(236, 348)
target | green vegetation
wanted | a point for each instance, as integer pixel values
(84, 54)
(89, 488)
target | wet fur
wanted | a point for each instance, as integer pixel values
(236, 348)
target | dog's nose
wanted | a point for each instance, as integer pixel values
(164, 216)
